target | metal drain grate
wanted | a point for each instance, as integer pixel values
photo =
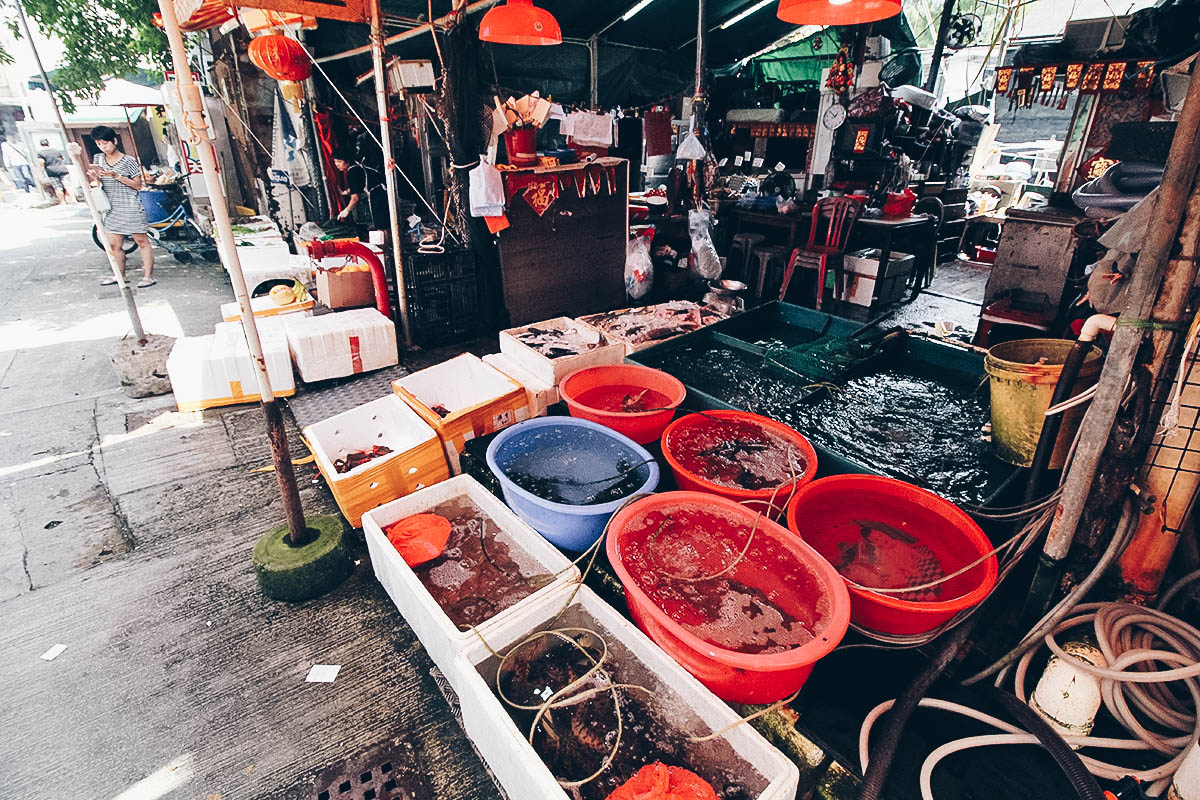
(387, 771)
(451, 698)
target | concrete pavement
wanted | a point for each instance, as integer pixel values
(125, 533)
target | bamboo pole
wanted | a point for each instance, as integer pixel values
(440, 22)
(389, 171)
(1158, 293)
(79, 175)
(197, 124)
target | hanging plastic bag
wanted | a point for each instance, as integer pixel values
(706, 263)
(639, 269)
(487, 190)
(690, 148)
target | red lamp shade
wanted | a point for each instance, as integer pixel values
(519, 22)
(836, 12)
(281, 57)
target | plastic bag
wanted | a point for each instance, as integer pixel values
(639, 269)
(486, 190)
(707, 264)
(690, 148)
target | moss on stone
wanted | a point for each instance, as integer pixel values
(295, 574)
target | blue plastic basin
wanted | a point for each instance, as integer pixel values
(574, 454)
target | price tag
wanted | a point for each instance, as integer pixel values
(723, 162)
(779, 166)
(746, 157)
(756, 163)
(737, 161)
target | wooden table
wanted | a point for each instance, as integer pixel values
(747, 218)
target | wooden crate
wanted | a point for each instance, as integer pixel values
(480, 400)
(417, 459)
(216, 370)
(553, 370)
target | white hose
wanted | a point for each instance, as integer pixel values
(1131, 639)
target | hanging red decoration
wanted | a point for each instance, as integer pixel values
(836, 12)
(519, 22)
(1004, 77)
(209, 14)
(281, 57)
(841, 71)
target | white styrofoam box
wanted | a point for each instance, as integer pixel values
(387, 421)
(866, 262)
(215, 370)
(678, 696)
(553, 370)
(340, 344)
(441, 638)
(264, 307)
(541, 395)
(864, 291)
(274, 252)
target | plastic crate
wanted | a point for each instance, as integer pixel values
(421, 268)
(679, 698)
(444, 311)
(440, 637)
(417, 459)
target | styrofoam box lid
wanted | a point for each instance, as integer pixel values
(678, 693)
(357, 319)
(387, 421)
(231, 335)
(460, 383)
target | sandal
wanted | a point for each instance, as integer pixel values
(110, 281)
(146, 283)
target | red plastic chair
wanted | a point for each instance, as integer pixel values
(840, 214)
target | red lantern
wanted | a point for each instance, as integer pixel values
(836, 12)
(281, 57)
(519, 22)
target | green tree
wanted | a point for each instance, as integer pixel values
(102, 39)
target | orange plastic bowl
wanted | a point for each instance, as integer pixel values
(731, 675)
(837, 513)
(641, 426)
(757, 499)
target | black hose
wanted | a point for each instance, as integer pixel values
(1068, 760)
(1050, 428)
(884, 750)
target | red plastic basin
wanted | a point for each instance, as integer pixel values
(819, 595)
(887, 533)
(616, 380)
(757, 499)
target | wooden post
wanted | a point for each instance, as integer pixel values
(80, 174)
(197, 124)
(700, 99)
(594, 71)
(1158, 293)
(389, 163)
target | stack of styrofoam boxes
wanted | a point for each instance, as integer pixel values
(262, 246)
(216, 370)
(865, 284)
(680, 700)
(532, 554)
(478, 399)
(416, 459)
(265, 307)
(340, 344)
(540, 374)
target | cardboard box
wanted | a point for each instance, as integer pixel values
(341, 288)
(340, 344)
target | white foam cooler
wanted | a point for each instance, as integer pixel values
(216, 370)
(340, 344)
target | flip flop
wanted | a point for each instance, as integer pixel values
(109, 282)
(146, 283)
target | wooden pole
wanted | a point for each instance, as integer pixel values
(197, 124)
(79, 175)
(593, 45)
(389, 164)
(935, 64)
(700, 100)
(1158, 293)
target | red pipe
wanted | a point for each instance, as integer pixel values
(319, 249)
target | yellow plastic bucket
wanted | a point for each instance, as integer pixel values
(1022, 376)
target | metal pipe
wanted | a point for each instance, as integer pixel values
(1157, 291)
(939, 46)
(389, 163)
(197, 124)
(79, 173)
(440, 22)
(319, 249)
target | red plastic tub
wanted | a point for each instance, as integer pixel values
(802, 604)
(680, 434)
(521, 145)
(885, 533)
(600, 393)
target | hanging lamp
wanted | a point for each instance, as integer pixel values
(281, 57)
(836, 12)
(519, 22)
